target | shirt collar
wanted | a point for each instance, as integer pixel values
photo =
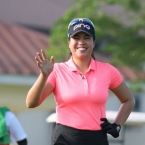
(72, 66)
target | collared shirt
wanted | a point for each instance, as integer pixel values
(81, 98)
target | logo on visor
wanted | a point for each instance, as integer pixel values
(81, 25)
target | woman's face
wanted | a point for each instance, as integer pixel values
(81, 45)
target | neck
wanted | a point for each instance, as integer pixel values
(83, 65)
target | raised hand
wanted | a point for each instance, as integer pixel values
(44, 64)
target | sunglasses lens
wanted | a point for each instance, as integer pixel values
(88, 21)
(75, 21)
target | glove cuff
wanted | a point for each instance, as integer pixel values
(117, 127)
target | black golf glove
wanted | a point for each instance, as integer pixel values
(110, 128)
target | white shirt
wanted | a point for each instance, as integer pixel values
(14, 127)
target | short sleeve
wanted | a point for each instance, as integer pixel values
(115, 77)
(17, 132)
(52, 77)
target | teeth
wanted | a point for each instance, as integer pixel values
(82, 48)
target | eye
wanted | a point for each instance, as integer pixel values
(76, 37)
(87, 37)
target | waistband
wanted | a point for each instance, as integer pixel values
(74, 131)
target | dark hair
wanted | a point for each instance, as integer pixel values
(93, 56)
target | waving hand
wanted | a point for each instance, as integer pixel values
(45, 65)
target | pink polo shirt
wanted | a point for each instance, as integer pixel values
(81, 98)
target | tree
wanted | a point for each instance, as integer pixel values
(124, 43)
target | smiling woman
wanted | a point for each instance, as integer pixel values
(82, 33)
(80, 87)
(81, 46)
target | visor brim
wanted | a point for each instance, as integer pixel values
(81, 31)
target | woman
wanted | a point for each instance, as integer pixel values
(80, 87)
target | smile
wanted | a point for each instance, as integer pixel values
(82, 49)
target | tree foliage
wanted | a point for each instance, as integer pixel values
(120, 34)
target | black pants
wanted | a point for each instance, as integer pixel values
(63, 135)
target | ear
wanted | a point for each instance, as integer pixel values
(68, 42)
(94, 43)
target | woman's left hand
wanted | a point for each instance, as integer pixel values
(111, 128)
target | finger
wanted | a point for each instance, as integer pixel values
(104, 119)
(52, 59)
(43, 54)
(37, 61)
(39, 56)
(105, 124)
(107, 128)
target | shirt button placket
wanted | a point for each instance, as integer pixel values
(85, 86)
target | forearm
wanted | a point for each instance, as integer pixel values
(124, 111)
(35, 93)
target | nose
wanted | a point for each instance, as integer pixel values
(81, 41)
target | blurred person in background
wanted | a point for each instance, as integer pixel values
(11, 130)
(80, 87)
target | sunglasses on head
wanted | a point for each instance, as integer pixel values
(83, 20)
